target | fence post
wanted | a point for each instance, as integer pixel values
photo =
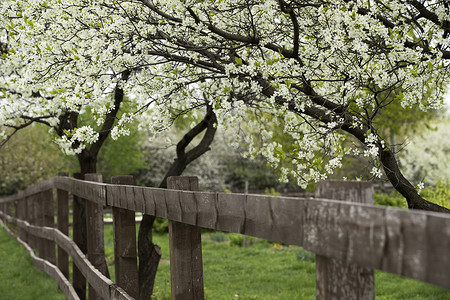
(335, 279)
(95, 235)
(63, 226)
(79, 231)
(39, 221)
(32, 240)
(125, 253)
(48, 220)
(186, 270)
(22, 214)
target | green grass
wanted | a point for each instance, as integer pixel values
(19, 279)
(261, 270)
(265, 270)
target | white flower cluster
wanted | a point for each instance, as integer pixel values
(75, 141)
(372, 147)
(254, 66)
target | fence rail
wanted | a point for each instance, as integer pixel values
(414, 244)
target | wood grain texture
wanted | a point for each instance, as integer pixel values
(79, 232)
(22, 214)
(48, 220)
(63, 226)
(95, 235)
(336, 279)
(125, 252)
(186, 269)
(388, 239)
(92, 191)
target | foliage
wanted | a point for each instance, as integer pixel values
(426, 157)
(29, 156)
(121, 157)
(439, 194)
(223, 168)
(393, 199)
(218, 236)
(236, 239)
(303, 255)
(161, 225)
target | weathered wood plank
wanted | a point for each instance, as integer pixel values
(22, 214)
(287, 216)
(95, 235)
(125, 253)
(231, 212)
(92, 191)
(186, 270)
(139, 199)
(188, 205)
(207, 215)
(438, 245)
(63, 226)
(258, 216)
(159, 197)
(30, 218)
(103, 285)
(39, 221)
(173, 205)
(336, 279)
(79, 232)
(348, 228)
(48, 220)
(149, 201)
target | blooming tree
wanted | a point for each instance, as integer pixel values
(322, 69)
(319, 70)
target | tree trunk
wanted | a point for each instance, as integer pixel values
(88, 164)
(149, 257)
(149, 253)
(403, 186)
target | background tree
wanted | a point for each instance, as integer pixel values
(426, 156)
(29, 157)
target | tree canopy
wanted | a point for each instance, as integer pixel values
(318, 69)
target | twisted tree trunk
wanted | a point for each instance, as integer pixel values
(150, 253)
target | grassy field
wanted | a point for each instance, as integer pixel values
(262, 270)
(19, 279)
(265, 270)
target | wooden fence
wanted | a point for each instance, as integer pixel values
(350, 239)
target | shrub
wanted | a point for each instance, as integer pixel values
(439, 194)
(218, 236)
(303, 255)
(236, 239)
(392, 199)
(161, 225)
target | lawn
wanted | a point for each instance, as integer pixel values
(19, 279)
(266, 270)
(261, 270)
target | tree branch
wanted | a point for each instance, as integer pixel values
(183, 158)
